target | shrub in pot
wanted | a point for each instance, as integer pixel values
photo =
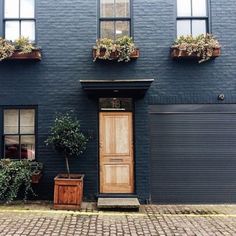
(67, 138)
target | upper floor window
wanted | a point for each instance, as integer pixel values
(19, 134)
(114, 18)
(19, 19)
(192, 17)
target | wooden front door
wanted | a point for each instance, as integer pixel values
(116, 152)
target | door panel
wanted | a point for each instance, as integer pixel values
(116, 152)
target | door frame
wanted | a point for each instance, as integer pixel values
(134, 148)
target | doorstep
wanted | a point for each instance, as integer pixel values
(130, 203)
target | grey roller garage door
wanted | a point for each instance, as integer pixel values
(193, 153)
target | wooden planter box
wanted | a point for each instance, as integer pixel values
(68, 193)
(35, 178)
(176, 53)
(114, 55)
(35, 55)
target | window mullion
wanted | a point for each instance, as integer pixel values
(114, 30)
(19, 134)
(20, 146)
(191, 20)
(191, 26)
(19, 121)
(191, 2)
(19, 28)
(19, 9)
(2, 17)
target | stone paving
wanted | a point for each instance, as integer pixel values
(177, 220)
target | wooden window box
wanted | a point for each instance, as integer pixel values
(176, 53)
(35, 55)
(114, 55)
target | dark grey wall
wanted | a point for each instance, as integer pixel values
(67, 30)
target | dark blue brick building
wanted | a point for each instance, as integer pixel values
(183, 136)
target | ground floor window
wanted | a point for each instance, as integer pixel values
(19, 133)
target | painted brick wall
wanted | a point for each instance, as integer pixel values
(67, 30)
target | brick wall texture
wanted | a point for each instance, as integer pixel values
(66, 32)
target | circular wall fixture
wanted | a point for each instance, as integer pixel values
(221, 97)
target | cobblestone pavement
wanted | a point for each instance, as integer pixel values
(181, 220)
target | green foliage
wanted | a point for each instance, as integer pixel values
(36, 167)
(23, 45)
(202, 45)
(66, 137)
(15, 177)
(7, 47)
(123, 47)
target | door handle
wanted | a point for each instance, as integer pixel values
(116, 159)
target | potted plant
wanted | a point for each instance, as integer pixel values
(20, 49)
(122, 49)
(67, 138)
(202, 47)
(36, 168)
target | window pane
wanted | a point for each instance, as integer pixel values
(11, 9)
(107, 8)
(27, 121)
(28, 30)
(11, 120)
(183, 7)
(27, 9)
(12, 30)
(107, 29)
(183, 27)
(28, 147)
(199, 8)
(11, 149)
(122, 8)
(122, 28)
(116, 103)
(198, 27)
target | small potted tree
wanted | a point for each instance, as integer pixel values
(67, 138)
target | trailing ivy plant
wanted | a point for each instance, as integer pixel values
(123, 47)
(66, 137)
(7, 48)
(202, 45)
(15, 178)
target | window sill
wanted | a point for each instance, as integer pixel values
(35, 55)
